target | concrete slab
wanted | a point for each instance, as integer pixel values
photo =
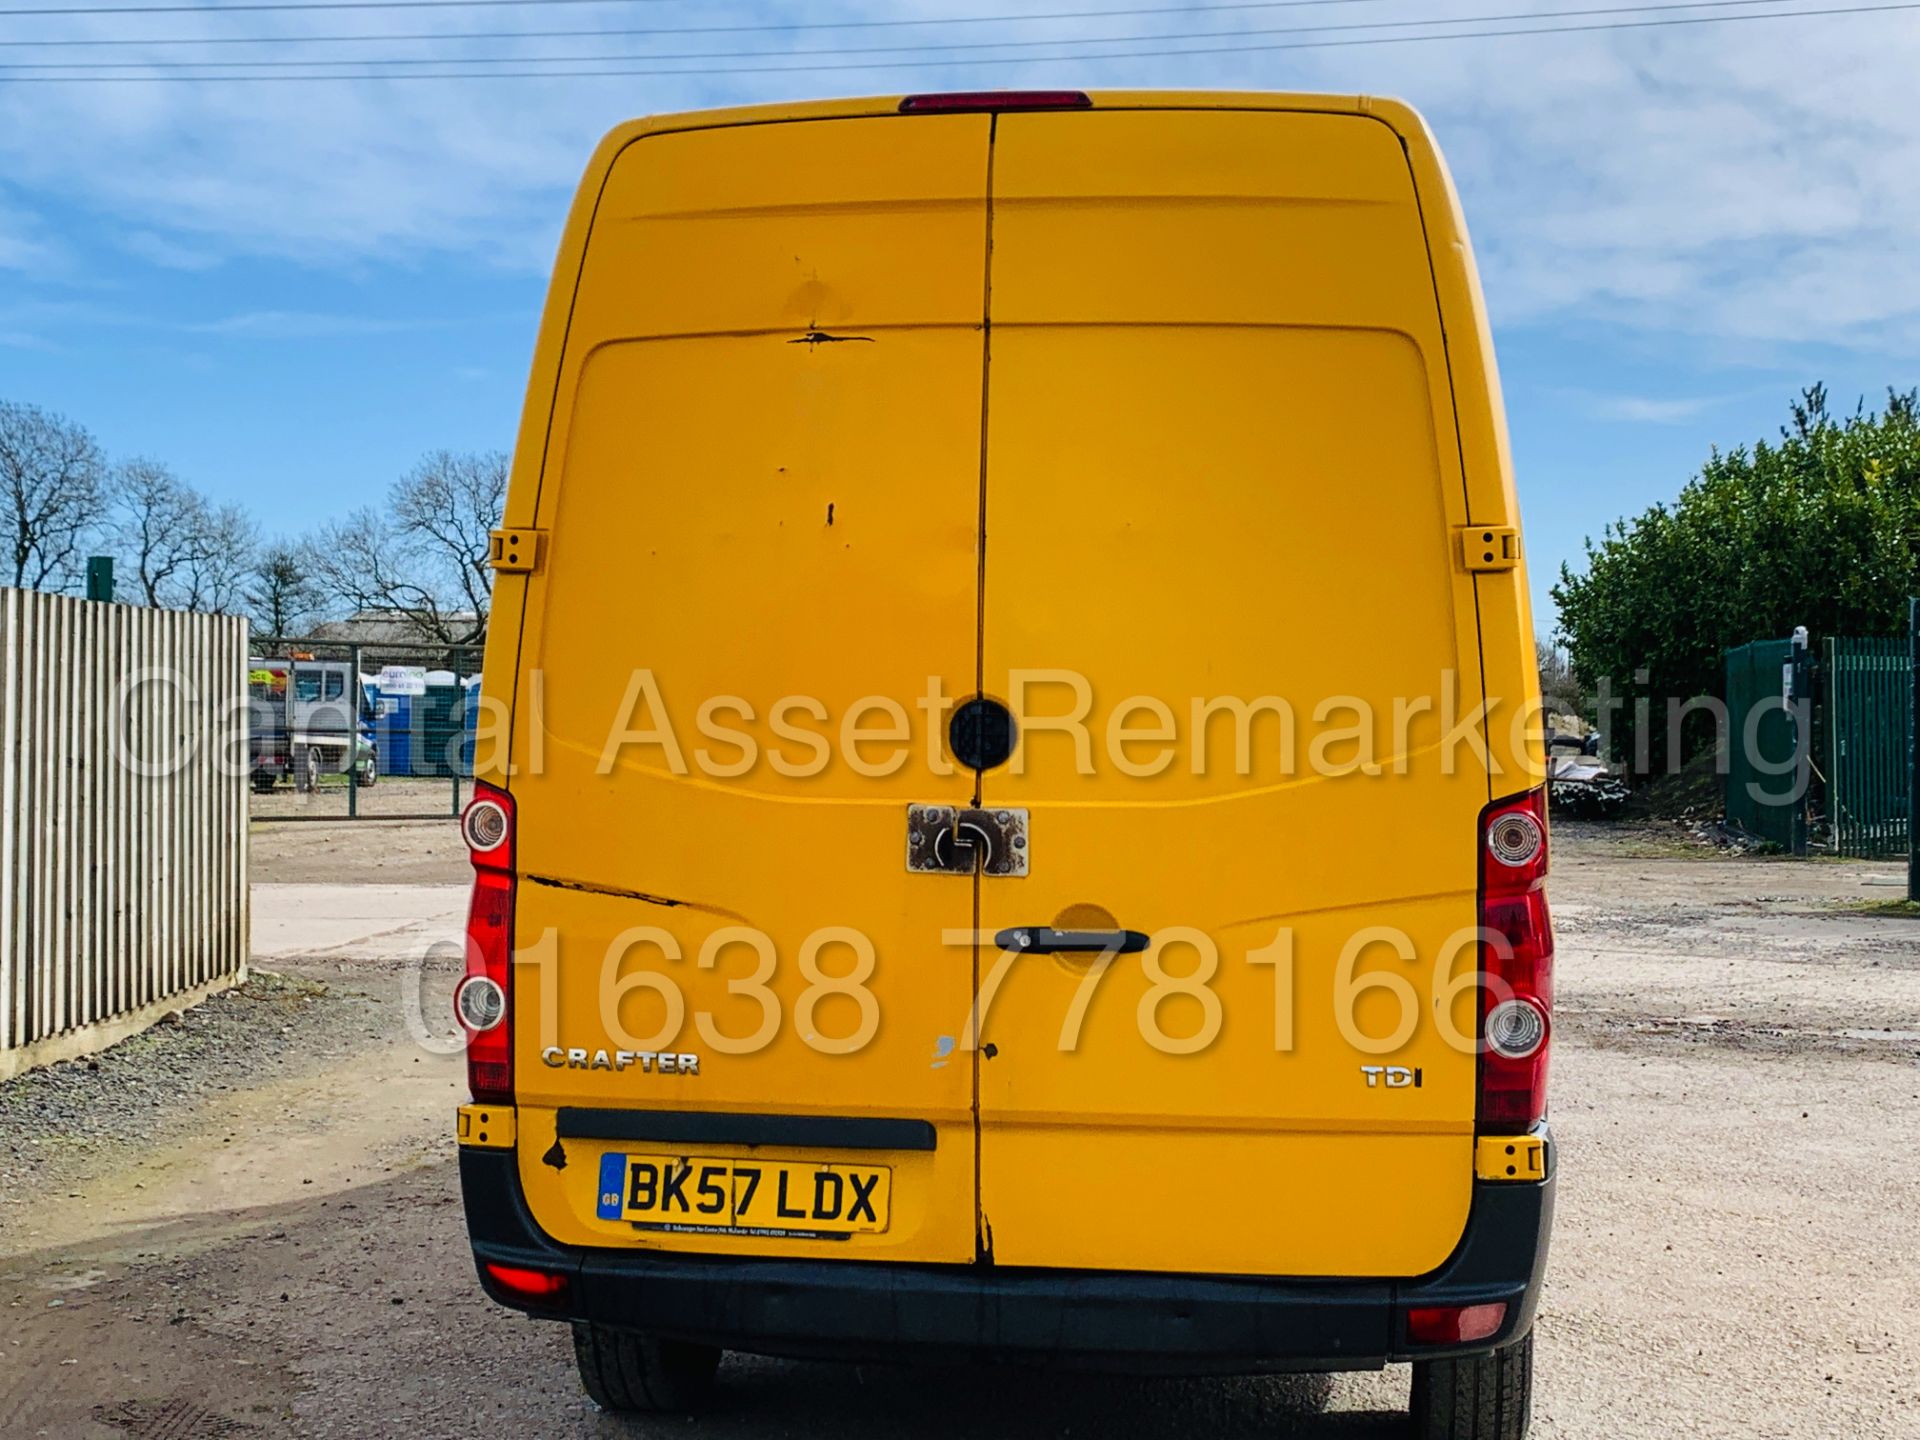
(354, 921)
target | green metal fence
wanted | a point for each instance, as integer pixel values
(1913, 753)
(360, 730)
(1760, 743)
(1868, 753)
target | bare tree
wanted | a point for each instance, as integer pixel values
(366, 563)
(52, 494)
(446, 506)
(1560, 688)
(425, 562)
(156, 527)
(180, 550)
(281, 592)
(216, 575)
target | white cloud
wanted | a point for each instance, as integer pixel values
(297, 325)
(1641, 409)
(169, 252)
(1747, 184)
(24, 244)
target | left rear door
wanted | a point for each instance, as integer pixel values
(761, 503)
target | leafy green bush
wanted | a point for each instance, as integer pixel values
(1821, 529)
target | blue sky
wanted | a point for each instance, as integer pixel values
(289, 291)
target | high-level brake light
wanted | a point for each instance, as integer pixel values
(976, 100)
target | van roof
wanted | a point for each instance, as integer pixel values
(1397, 114)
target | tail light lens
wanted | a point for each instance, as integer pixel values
(483, 1003)
(998, 100)
(1516, 996)
(534, 1286)
(1455, 1324)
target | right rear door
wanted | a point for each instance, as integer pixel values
(1221, 470)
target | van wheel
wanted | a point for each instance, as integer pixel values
(1478, 1397)
(629, 1373)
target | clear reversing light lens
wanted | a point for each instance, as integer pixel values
(480, 1003)
(484, 825)
(1515, 839)
(1515, 1029)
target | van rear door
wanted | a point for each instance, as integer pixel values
(1221, 469)
(762, 496)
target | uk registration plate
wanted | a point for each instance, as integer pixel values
(704, 1194)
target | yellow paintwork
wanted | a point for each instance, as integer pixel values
(1510, 1157)
(1182, 290)
(487, 1127)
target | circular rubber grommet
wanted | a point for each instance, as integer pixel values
(981, 734)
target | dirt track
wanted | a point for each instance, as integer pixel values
(1737, 1096)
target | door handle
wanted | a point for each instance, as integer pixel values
(1045, 940)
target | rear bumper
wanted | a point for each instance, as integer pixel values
(1134, 1322)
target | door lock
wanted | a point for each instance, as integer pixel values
(955, 840)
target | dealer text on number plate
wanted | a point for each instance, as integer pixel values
(758, 1197)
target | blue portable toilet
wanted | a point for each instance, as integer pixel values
(438, 717)
(393, 732)
(469, 722)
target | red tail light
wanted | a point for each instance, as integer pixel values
(1455, 1324)
(1516, 998)
(483, 1003)
(996, 100)
(534, 1285)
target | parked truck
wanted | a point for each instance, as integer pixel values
(308, 718)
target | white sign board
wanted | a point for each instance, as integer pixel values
(403, 680)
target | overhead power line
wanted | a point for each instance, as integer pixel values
(1235, 49)
(1027, 18)
(255, 6)
(912, 49)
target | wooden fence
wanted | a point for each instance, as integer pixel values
(123, 819)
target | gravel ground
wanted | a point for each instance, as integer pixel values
(421, 852)
(61, 1119)
(268, 1241)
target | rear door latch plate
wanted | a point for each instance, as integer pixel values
(1489, 547)
(957, 840)
(514, 551)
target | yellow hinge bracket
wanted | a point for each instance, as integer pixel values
(515, 552)
(490, 1127)
(1490, 547)
(1510, 1157)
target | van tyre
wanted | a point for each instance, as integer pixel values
(1478, 1397)
(634, 1374)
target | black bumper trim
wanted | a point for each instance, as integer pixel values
(1168, 1324)
(711, 1127)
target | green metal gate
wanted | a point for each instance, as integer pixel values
(1760, 745)
(1869, 745)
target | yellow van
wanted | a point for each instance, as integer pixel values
(1007, 821)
